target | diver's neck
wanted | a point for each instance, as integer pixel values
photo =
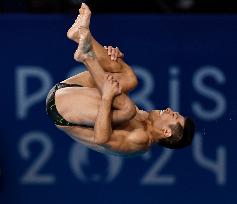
(142, 115)
(153, 135)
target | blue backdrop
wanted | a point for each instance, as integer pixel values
(186, 62)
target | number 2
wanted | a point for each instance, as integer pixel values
(32, 175)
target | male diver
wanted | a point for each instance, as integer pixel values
(93, 107)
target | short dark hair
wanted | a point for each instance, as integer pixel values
(181, 137)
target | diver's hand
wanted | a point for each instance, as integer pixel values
(111, 87)
(114, 53)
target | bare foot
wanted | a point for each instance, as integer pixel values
(85, 14)
(84, 49)
(73, 33)
(83, 20)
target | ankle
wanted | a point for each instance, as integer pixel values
(91, 54)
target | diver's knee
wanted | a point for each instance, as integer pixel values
(130, 109)
(133, 82)
(113, 67)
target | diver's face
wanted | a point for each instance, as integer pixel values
(162, 119)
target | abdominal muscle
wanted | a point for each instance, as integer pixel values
(108, 148)
(105, 150)
(78, 104)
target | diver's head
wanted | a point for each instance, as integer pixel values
(170, 129)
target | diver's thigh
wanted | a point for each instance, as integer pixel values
(78, 105)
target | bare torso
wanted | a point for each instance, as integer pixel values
(129, 138)
(82, 105)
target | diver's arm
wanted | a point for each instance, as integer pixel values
(103, 129)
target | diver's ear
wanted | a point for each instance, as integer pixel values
(166, 132)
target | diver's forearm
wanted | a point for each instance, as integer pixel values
(103, 127)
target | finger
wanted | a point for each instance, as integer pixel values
(113, 54)
(117, 50)
(117, 86)
(110, 50)
(110, 77)
(114, 80)
(116, 53)
(120, 88)
(114, 84)
(106, 77)
(121, 54)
